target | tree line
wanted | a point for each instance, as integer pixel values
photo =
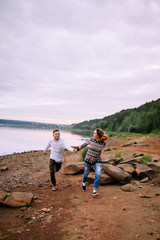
(144, 119)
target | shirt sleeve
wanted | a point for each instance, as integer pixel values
(47, 147)
(66, 146)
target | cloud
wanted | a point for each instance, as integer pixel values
(66, 60)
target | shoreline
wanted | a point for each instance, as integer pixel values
(18, 153)
(69, 209)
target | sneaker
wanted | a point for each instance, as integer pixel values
(54, 188)
(95, 194)
(83, 188)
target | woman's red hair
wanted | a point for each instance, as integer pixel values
(101, 135)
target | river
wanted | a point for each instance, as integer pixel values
(16, 140)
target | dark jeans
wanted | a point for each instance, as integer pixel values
(54, 167)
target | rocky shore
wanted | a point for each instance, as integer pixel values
(70, 213)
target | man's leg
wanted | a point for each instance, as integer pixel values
(58, 166)
(52, 168)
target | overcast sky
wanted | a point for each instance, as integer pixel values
(66, 61)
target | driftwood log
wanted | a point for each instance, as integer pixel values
(117, 173)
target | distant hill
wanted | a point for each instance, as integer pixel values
(144, 119)
(27, 124)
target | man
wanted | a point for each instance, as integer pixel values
(57, 146)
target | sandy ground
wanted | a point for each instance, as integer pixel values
(73, 214)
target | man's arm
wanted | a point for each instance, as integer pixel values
(69, 148)
(48, 146)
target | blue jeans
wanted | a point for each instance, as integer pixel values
(97, 169)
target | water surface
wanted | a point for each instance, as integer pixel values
(16, 140)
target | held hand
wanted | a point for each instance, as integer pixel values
(75, 150)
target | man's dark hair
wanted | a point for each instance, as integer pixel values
(56, 130)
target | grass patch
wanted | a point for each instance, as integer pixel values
(145, 159)
(74, 210)
(130, 134)
(83, 154)
(117, 154)
(91, 219)
(79, 203)
(78, 233)
(155, 207)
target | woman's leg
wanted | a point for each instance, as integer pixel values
(87, 168)
(97, 169)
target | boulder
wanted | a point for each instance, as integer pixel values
(19, 199)
(3, 195)
(105, 178)
(4, 168)
(138, 155)
(127, 167)
(113, 161)
(144, 180)
(155, 166)
(116, 173)
(74, 168)
(144, 171)
(128, 187)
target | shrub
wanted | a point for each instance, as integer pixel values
(117, 154)
(145, 159)
(83, 154)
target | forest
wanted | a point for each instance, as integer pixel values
(144, 119)
(26, 124)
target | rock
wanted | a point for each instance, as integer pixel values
(113, 161)
(155, 166)
(155, 160)
(143, 196)
(19, 199)
(74, 168)
(129, 144)
(116, 173)
(128, 187)
(4, 168)
(144, 171)
(107, 150)
(137, 184)
(105, 178)
(138, 155)
(144, 180)
(132, 161)
(46, 210)
(3, 195)
(127, 167)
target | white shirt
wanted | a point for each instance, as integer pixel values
(57, 149)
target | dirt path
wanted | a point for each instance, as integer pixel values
(73, 214)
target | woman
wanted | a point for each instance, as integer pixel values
(93, 157)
